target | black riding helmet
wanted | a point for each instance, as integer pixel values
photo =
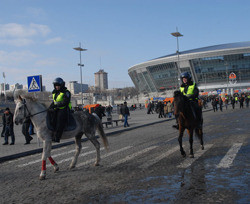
(185, 75)
(59, 82)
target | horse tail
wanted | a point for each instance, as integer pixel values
(103, 135)
(101, 132)
(198, 133)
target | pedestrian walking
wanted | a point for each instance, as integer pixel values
(170, 109)
(214, 104)
(125, 113)
(241, 99)
(8, 127)
(25, 131)
(233, 102)
(226, 102)
(220, 103)
(247, 101)
(160, 107)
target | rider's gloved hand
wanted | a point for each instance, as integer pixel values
(52, 106)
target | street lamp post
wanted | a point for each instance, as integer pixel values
(80, 49)
(177, 35)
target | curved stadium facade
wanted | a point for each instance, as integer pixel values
(210, 68)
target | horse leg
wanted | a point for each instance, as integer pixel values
(190, 133)
(78, 143)
(54, 164)
(200, 133)
(183, 153)
(97, 146)
(45, 155)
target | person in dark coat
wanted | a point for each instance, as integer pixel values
(100, 111)
(8, 127)
(241, 102)
(233, 102)
(125, 113)
(25, 130)
(220, 103)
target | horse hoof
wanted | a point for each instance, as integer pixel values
(42, 178)
(184, 155)
(72, 167)
(191, 156)
(56, 169)
(202, 147)
(96, 164)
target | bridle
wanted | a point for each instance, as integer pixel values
(27, 110)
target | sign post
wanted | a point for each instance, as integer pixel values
(34, 83)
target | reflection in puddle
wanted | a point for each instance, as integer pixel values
(165, 191)
(199, 183)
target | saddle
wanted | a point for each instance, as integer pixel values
(70, 125)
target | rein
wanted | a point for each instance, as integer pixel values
(29, 114)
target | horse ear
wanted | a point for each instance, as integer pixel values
(20, 98)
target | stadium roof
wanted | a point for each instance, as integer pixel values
(212, 48)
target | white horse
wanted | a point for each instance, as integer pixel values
(85, 124)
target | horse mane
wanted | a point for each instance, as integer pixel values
(31, 97)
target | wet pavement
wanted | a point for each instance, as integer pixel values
(137, 170)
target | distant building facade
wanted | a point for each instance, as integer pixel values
(101, 80)
(16, 86)
(7, 87)
(75, 88)
(210, 67)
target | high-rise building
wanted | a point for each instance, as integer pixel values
(16, 86)
(75, 88)
(101, 80)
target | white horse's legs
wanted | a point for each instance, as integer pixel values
(97, 146)
(55, 165)
(78, 143)
(45, 155)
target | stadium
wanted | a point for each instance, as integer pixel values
(219, 68)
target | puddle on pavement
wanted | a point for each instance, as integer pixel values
(196, 182)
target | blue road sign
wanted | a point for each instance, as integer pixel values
(218, 91)
(34, 83)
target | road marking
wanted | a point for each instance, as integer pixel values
(106, 155)
(188, 161)
(162, 156)
(39, 160)
(228, 159)
(81, 155)
(33, 155)
(132, 156)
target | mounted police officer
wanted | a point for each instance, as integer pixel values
(61, 106)
(189, 89)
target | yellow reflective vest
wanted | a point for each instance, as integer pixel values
(190, 90)
(59, 99)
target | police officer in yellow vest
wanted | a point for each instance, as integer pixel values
(61, 105)
(189, 89)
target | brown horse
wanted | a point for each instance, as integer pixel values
(187, 120)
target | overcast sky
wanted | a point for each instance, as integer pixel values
(37, 37)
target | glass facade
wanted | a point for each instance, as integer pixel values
(217, 69)
(207, 70)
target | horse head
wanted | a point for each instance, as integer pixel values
(19, 114)
(179, 102)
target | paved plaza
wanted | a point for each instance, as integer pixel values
(138, 118)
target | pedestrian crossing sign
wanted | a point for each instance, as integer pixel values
(34, 83)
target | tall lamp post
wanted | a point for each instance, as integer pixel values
(177, 35)
(80, 49)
